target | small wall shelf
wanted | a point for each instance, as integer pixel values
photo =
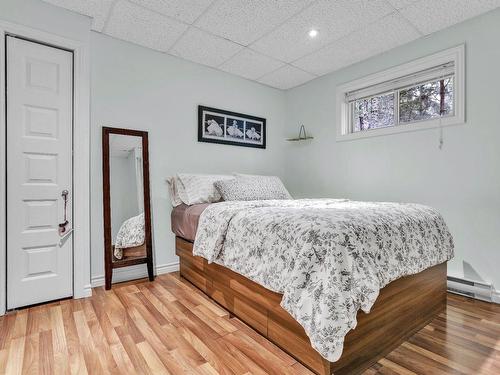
(302, 135)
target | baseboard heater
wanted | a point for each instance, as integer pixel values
(470, 288)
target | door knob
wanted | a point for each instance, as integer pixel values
(62, 240)
(62, 226)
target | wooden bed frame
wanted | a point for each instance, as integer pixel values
(132, 252)
(402, 308)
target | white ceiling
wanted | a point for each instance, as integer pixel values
(267, 40)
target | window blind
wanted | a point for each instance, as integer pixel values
(437, 72)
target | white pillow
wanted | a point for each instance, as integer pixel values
(173, 191)
(249, 188)
(198, 188)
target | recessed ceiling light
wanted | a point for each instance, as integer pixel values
(313, 33)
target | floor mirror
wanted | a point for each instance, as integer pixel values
(126, 201)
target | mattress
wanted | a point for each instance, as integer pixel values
(184, 220)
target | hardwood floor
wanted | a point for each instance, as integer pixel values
(168, 326)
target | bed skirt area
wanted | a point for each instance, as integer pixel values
(402, 308)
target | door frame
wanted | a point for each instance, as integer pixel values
(81, 155)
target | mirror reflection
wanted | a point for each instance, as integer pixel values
(127, 196)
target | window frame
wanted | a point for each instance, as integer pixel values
(344, 131)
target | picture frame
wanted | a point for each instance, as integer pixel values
(230, 128)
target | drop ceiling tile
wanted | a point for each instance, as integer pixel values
(141, 26)
(430, 15)
(373, 39)
(286, 77)
(244, 21)
(97, 9)
(250, 64)
(332, 19)
(183, 10)
(201, 47)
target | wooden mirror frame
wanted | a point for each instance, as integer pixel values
(110, 265)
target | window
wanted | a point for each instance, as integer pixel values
(419, 95)
(426, 100)
(373, 112)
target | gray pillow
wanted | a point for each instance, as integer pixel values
(250, 188)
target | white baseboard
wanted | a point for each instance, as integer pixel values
(496, 296)
(134, 272)
(87, 292)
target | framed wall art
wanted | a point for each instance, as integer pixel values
(230, 128)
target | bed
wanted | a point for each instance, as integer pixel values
(130, 239)
(231, 237)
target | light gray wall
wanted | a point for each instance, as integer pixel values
(134, 87)
(462, 180)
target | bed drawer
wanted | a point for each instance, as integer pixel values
(241, 306)
(192, 273)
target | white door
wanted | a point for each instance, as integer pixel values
(39, 168)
